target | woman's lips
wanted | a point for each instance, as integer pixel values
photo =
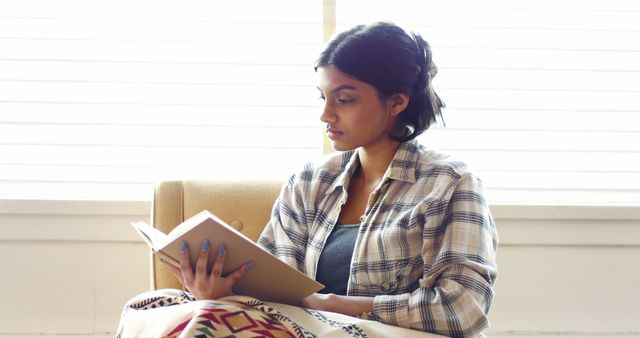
(333, 133)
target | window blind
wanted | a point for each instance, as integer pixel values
(543, 97)
(100, 99)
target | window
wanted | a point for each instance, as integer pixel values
(99, 99)
(542, 96)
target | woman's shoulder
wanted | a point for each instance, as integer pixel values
(445, 173)
(430, 162)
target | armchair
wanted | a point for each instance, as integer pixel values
(245, 205)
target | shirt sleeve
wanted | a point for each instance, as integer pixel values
(285, 236)
(456, 288)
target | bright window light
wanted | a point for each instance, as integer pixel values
(543, 97)
(100, 99)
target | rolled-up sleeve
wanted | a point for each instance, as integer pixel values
(459, 252)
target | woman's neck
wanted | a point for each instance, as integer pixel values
(375, 160)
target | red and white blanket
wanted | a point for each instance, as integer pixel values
(175, 314)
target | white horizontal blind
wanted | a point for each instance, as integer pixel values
(543, 96)
(99, 99)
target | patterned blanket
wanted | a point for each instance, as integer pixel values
(175, 314)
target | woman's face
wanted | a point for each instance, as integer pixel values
(354, 114)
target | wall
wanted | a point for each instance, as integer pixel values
(568, 270)
(69, 267)
(564, 271)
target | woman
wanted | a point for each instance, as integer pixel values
(397, 233)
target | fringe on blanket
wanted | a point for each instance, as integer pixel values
(176, 314)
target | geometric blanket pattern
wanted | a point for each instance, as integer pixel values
(175, 313)
(234, 316)
(237, 317)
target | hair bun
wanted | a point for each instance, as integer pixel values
(424, 62)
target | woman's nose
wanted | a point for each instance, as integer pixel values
(327, 115)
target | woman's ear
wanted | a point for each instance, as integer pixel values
(397, 103)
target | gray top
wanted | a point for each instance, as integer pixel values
(335, 260)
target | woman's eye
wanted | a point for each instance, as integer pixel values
(344, 100)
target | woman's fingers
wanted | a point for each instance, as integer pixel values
(185, 263)
(216, 272)
(234, 276)
(204, 285)
(174, 269)
(203, 258)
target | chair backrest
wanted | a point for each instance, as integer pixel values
(246, 205)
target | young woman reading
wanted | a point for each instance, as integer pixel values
(397, 232)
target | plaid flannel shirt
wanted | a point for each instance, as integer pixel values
(426, 246)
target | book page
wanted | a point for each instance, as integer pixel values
(196, 220)
(154, 238)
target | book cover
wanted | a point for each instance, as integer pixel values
(270, 279)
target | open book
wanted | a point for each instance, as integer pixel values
(270, 279)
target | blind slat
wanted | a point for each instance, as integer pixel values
(129, 175)
(165, 10)
(559, 15)
(265, 33)
(108, 93)
(178, 74)
(156, 114)
(524, 140)
(554, 81)
(542, 100)
(154, 136)
(515, 59)
(107, 157)
(563, 181)
(141, 52)
(545, 161)
(524, 118)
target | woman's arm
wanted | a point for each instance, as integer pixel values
(348, 305)
(285, 236)
(456, 289)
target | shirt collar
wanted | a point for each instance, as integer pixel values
(404, 163)
(402, 167)
(352, 163)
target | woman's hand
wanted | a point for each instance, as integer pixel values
(199, 282)
(347, 305)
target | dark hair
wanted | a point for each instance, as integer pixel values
(393, 61)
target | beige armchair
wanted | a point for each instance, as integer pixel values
(246, 205)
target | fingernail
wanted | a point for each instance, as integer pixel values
(249, 266)
(205, 245)
(183, 247)
(221, 250)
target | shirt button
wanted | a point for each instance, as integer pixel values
(386, 286)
